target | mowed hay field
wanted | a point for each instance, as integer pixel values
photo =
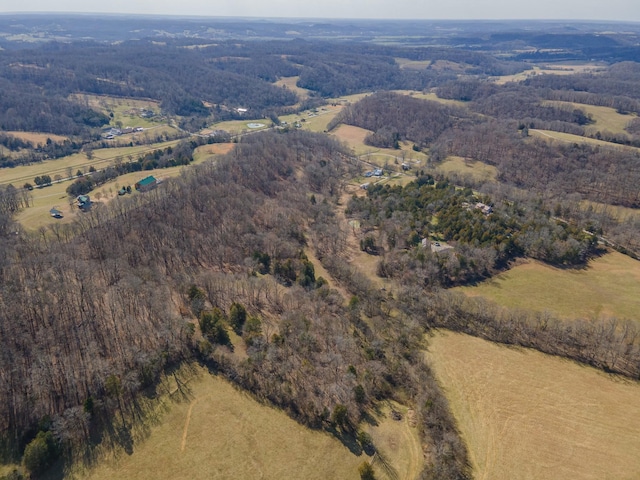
(476, 170)
(570, 138)
(219, 432)
(38, 138)
(608, 286)
(526, 415)
(606, 119)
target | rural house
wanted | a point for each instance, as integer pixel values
(84, 202)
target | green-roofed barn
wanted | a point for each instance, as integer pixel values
(146, 184)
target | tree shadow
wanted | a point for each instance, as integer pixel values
(348, 439)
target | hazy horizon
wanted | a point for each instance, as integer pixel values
(578, 10)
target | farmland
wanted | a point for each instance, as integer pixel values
(608, 286)
(526, 415)
(477, 170)
(606, 119)
(214, 430)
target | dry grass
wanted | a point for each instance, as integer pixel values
(609, 286)
(205, 152)
(606, 119)
(477, 170)
(408, 64)
(431, 96)
(352, 136)
(397, 443)
(291, 84)
(525, 415)
(37, 138)
(570, 138)
(219, 432)
(616, 211)
(565, 69)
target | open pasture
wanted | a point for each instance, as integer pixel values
(205, 152)
(431, 96)
(550, 135)
(408, 64)
(126, 111)
(608, 286)
(291, 84)
(37, 138)
(477, 170)
(606, 119)
(354, 138)
(526, 415)
(397, 442)
(618, 212)
(214, 431)
(555, 69)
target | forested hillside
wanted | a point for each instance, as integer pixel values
(92, 314)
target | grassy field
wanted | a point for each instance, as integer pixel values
(605, 118)
(354, 138)
(525, 415)
(570, 138)
(477, 170)
(608, 286)
(218, 432)
(616, 211)
(126, 111)
(431, 96)
(400, 454)
(237, 127)
(205, 152)
(290, 83)
(37, 138)
(556, 69)
(71, 164)
(413, 64)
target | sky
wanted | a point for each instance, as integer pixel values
(624, 10)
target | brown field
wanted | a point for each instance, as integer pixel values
(477, 170)
(556, 69)
(352, 136)
(219, 432)
(431, 96)
(207, 151)
(608, 286)
(570, 138)
(525, 415)
(413, 64)
(397, 443)
(290, 83)
(616, 211)
(606, 119)
(37, 138)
